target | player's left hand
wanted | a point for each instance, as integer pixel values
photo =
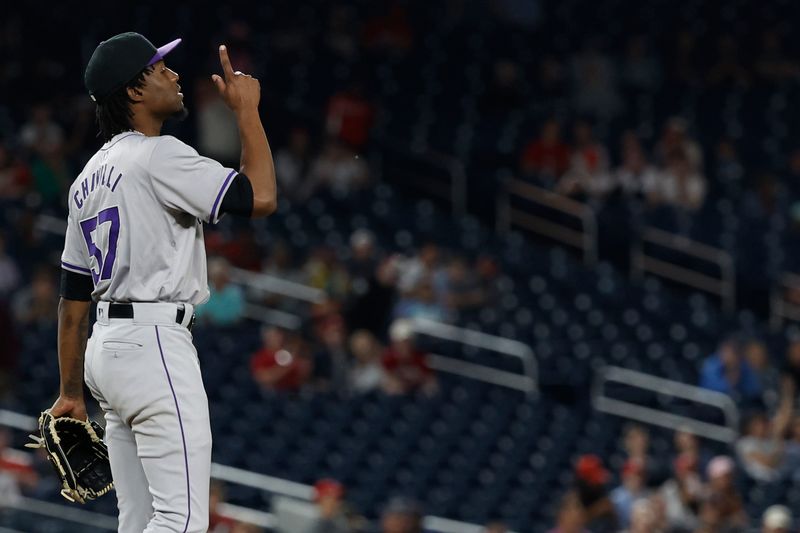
(65, 406)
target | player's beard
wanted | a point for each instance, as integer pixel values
(179, 115)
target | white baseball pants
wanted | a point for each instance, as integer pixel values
(145, 374)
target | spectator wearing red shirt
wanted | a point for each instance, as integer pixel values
(546, 158)
(217, 522)
(406, 367)
(349, 117)
(281, 364)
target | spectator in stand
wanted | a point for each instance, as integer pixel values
(331, 358)
(281, 364)
(726, 504)
(406, 366)
(334, 514)
(457, 289)
(761, 449)
(636, 443)
(15, 175)
(389, 32)
(217, 129)
(756, 355)
(495, 527)
(225, 306)
(36, 305)
(217, 522)
(594, 84)
(551, 78)
(773, 65)
(633, 488)
(52, 173)
(340, 36)
(18, 465)
(420, 269)
(293, 164)
(570, 517)
(421, 303)
(682, 494)
(363, 258)
(678, 184)
(776, 519)
(640, 71)
(730, 170)
(324, 271)
(9, 353)
(728, 71)
(674, 139)
(790, 375)
(9, 272)
(505, 92)
(372, 310)
(635, 173)
(366, 371)
(587, 175)
(488, 271)
(688, 444)
(349, 117)
(41, 133)
(727, 372)
(402, 515)
(338, 169)
(793, 447)
(643, 517)
(591, 479)
(546, 159)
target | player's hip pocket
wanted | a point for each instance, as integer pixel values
(121, 345)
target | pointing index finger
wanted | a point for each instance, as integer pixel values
(227, 69)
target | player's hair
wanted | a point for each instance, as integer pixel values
(114, 111)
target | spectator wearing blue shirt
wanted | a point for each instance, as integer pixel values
(727, 372)
(225, 306)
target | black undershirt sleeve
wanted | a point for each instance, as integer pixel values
(238, 200)
(76, 286)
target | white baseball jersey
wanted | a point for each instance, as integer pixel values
(135, 215)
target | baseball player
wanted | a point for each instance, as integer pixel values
(134, 245)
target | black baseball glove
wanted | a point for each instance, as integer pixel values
(79, 455)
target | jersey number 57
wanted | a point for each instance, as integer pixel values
(100, 240)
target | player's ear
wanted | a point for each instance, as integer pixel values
(134, 94)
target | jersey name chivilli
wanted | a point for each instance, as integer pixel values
(102, 177)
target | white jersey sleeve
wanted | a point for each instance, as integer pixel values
(186, 181)
(75, 257)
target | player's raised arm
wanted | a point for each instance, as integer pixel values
(242, 93)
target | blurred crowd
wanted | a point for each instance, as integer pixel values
(690, 491)
(359, 337)
(581, 166)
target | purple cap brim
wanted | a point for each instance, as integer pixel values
(164, 50)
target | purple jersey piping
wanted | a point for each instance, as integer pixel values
(221, 193)
(183, 435)
(76, 268)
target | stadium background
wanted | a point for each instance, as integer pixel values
(608, 192)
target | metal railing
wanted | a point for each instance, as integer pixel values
(780, 307)
(529, 382)
(723, 286)
(727, 433)
(276, 285)
(508, 216)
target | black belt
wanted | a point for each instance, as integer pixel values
(117, 310)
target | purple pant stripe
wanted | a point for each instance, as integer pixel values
(183, 436)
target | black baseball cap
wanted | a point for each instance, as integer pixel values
(118, 60)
